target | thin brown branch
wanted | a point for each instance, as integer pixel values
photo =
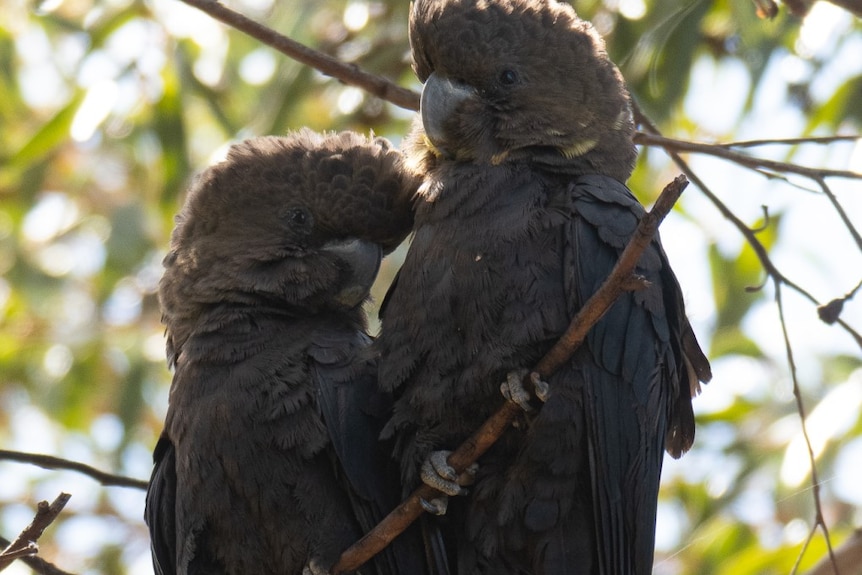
(468, 452)
(349, 74)
(51, 462)
(26, 542)
(720, 151)
(827, 191)
(823, 140)
(811, 533)
(819, 520)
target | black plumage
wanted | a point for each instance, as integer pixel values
(269, 460)
(524, 144)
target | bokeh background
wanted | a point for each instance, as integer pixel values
(108, 108)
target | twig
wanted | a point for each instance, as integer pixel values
(51, 462)
(25, 543)
(720, 151)
(819, 521)
(840, 209)
(619, 280)
(790, 141)
(351, 75)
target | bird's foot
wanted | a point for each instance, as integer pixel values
(513, 388)
(437, 473)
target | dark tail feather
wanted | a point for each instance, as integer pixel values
(435, 550)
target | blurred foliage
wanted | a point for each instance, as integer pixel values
(108, 108)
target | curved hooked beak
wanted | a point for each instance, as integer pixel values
(362, 259)
(440, 99)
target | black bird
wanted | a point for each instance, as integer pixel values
(525, 143)
(269, 461)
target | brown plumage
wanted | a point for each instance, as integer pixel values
(525, 141)
(269, 460)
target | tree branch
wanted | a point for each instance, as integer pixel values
(722, 151)
(819, 520)
(790, 141)
(349, 74)
(468, 452)
(51, 462)
(25, 543)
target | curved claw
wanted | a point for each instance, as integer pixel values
(513, 388)
(436, 506)
(540, 387)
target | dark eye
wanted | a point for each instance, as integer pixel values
(508, 77)
(298, 217)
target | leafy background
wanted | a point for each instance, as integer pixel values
(108, 108)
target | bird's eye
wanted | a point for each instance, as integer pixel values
(508, 77)
(298, 217)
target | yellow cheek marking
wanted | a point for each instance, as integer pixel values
(579, 148)
(498, 159)
(430, 146)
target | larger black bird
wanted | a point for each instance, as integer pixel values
(525, 142)
(269, 460)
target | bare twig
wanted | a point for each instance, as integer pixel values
(790, 141)
(351, 75)
(25, 543)
(819, 521)
(618, 281)
(721, 151)
(840, 209)
(51, 462)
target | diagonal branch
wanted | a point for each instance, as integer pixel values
(51, 462)
(619, 281)
(349, 74)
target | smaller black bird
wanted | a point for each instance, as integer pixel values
(269, 461)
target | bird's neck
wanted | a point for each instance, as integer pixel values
(248, 329)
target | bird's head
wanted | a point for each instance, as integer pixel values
(300, 221)
(519, 79)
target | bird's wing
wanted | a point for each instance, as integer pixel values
(159, 512)
(632, 369)
(354, 412)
